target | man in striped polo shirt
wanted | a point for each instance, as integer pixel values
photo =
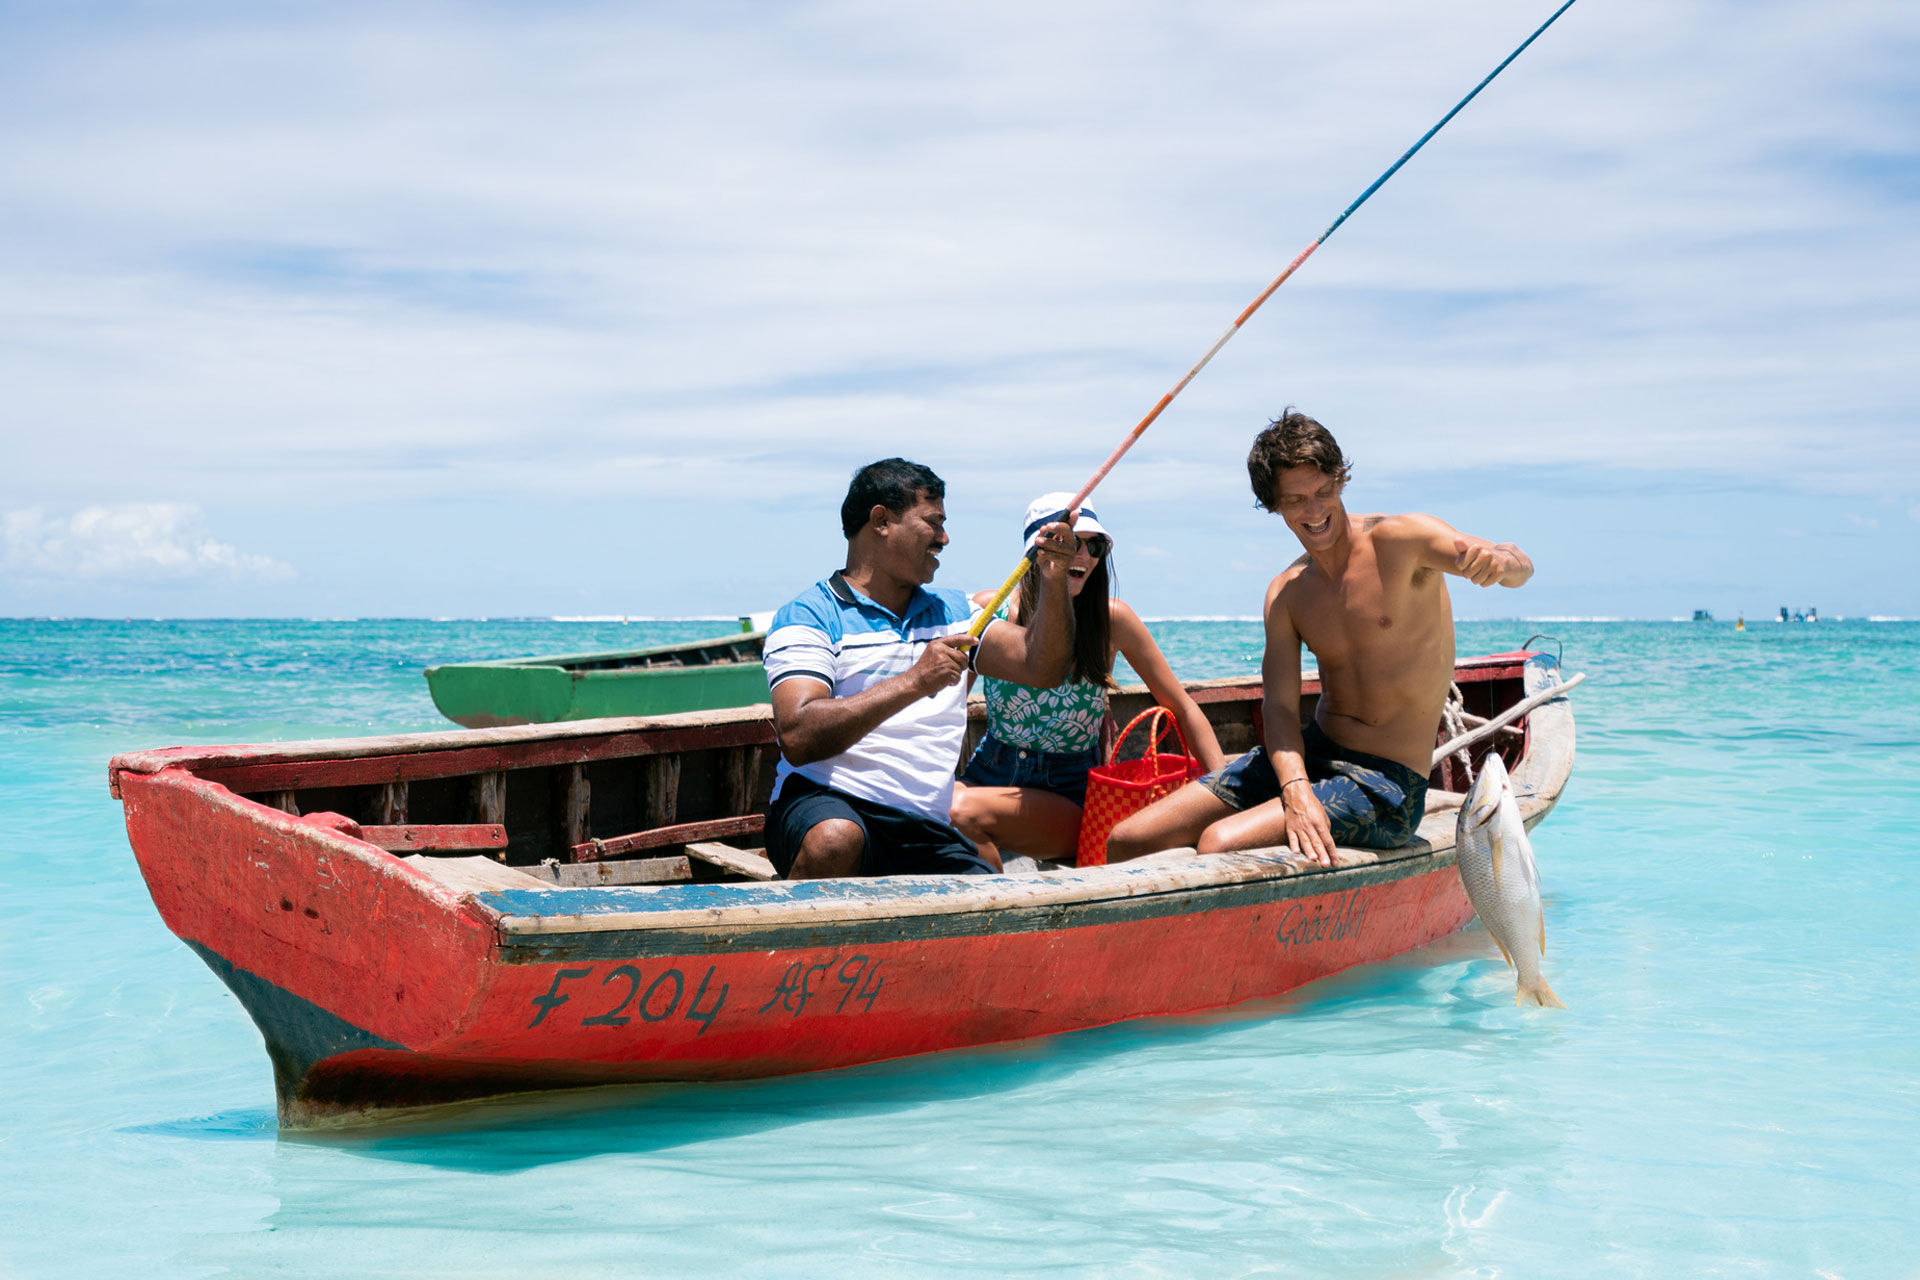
(869, 676)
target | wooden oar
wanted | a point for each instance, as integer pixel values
(1019, 571)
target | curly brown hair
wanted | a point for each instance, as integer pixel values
(1292, 440)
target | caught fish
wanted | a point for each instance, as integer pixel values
(1496, 865)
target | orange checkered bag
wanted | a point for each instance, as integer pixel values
(1121, 788)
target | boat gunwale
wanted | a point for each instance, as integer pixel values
(623, 735)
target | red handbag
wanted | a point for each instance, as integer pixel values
(1120, 789)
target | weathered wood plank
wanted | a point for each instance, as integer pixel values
(661, 837)
(388, 807)
(425, 837)
(490, 797)
(449, 760)
(575, 807)
(742, 862)
(663, 790)
(670, 870)
(665, 728)
(741, 773)
(475, 875)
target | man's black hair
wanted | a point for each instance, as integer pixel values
(893, 483)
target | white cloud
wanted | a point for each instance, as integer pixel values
(424, 254)
(132, 542)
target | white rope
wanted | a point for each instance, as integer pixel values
(1505, 718)
(1453, 718)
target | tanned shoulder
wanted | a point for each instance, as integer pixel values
(1409, 526)
(1277, 589)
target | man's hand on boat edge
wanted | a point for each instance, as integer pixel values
(1309, 834)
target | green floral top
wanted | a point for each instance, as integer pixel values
(1066, 718)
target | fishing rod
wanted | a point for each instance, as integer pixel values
(1020, 570)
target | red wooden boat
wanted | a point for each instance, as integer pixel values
(412, 920)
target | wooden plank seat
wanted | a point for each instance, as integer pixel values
(575, 875)
(415, 837)
(661, 837)
(743, 862)
(475, 874)
(425, 837)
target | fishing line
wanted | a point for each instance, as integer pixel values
(1013, 579)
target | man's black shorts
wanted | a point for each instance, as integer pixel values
(898, 843)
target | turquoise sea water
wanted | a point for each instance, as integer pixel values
(1733, 886)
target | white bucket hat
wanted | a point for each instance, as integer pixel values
(1050, 507)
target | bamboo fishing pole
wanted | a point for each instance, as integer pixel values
(1013, 579)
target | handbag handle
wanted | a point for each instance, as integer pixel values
(1154, 735)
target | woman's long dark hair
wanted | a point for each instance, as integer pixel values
(1092, 624)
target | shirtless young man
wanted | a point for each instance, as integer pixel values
(1369, 598)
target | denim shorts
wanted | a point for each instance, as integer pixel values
(1371, 802)
(1064, 773)
(897, 842)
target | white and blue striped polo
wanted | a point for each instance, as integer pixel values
(843, 639)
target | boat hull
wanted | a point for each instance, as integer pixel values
(690, 1005)
(486, 697)
(702, 675)
(381, 982)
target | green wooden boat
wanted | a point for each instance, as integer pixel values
(700, 675)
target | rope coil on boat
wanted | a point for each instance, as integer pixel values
(1453, 719)
(1505, 718)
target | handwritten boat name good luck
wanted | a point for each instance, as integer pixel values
(1323, 922)
(858, 977)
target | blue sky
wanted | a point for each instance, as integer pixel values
(491, 309)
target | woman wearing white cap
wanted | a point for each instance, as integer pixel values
(1024, 787)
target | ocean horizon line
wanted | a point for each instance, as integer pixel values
(1757, 620)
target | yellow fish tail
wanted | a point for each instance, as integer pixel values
(1537, 992)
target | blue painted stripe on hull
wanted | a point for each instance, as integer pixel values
(298, 1032)
(630, 899)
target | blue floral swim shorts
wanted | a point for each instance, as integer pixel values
(1371, 802)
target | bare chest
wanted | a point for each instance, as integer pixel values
(1365, 620)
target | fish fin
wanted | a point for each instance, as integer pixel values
(1503, 949)
(1499, 849)
(1537, 992)
(1542, 915)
